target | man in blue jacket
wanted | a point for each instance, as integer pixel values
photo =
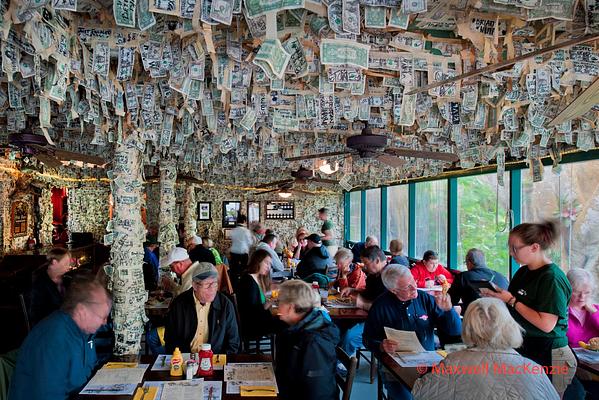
(58, 356)
(404, 308)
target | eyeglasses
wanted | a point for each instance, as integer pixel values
(516, 249)
(104, 318)
(408, 288)
(208, 286)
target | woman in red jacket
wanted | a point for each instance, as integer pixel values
(429, 269)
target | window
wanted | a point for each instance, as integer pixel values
(397, 215)
(431, 218)
(572, 198)
(482, 220)
(355, 220)
(373, 213)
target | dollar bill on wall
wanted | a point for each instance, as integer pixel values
(222, 11)
(125, 63)
(351, 16)
(272, 58)
(145, 19)
(375, 17)
(101, 59)
(169, 7)
(344, 52)
(124, 12)
(70, 5)
(255, 8)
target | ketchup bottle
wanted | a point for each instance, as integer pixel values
(205, 356)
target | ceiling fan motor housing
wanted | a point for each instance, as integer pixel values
(302, 173)
(367, 145)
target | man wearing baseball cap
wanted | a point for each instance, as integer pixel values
(316, 259)
(201, 315)
(180, 263)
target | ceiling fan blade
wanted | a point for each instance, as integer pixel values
(189, 179)
(321, 155)
(327, 181)
(391, 160)
(275, 183)
(302, 192)
(432, 155)
(269, 191)
(65, 155)
(48, 160)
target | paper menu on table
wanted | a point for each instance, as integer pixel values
(182, 390)
(407, 340)
(424, 359)
(588, 356)
(249, 372)
(213, 390)
(115, 380)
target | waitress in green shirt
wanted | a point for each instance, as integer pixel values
(538, 298)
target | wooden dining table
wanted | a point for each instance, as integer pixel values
(406, 375)
(165, 376)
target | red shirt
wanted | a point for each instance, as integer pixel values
(355, 279)
(421, 274)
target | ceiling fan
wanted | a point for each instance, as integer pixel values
(301, 176)
(30, 144)
(285, 190)
(369, 145)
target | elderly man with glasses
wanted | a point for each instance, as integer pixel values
(58, 356)
(404, 308)
(202, 315)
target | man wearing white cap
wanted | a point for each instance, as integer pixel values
(197, 251)
(182, 266)
(201, 315)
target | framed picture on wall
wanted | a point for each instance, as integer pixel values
(19, 218)
(231, 211)
(204, 211)
(253, 211)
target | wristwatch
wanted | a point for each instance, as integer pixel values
(512, 302)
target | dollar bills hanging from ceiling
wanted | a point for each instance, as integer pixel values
(229, 89)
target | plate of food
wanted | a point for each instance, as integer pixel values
(592, 345)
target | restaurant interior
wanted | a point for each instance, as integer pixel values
(422, 129)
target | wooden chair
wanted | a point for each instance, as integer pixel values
(252, 345)
(351, 364)
(24, 301)
(380, 393)
(372, 361)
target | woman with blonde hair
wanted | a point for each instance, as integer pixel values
(489, 368)
(306, 357)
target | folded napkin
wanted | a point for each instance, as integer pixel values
(219, 361)
(258, 391)
(120, 365)
(149, 395)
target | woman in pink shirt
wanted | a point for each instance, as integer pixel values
(429, 269)
(583, 318)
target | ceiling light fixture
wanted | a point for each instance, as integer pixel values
(284, 194)
(328, 169)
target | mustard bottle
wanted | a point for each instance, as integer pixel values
(177, 363)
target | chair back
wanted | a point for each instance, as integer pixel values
(350, 363)
(8, 362)
(224, 281)
(25, 302)
(233, 298)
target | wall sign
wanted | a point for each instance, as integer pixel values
(280, 210)
(19, 218)
(204, 211)
(231, 211)
(253, 211)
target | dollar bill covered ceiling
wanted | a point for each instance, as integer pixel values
(231, 90)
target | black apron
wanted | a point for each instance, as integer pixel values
(538, 349)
